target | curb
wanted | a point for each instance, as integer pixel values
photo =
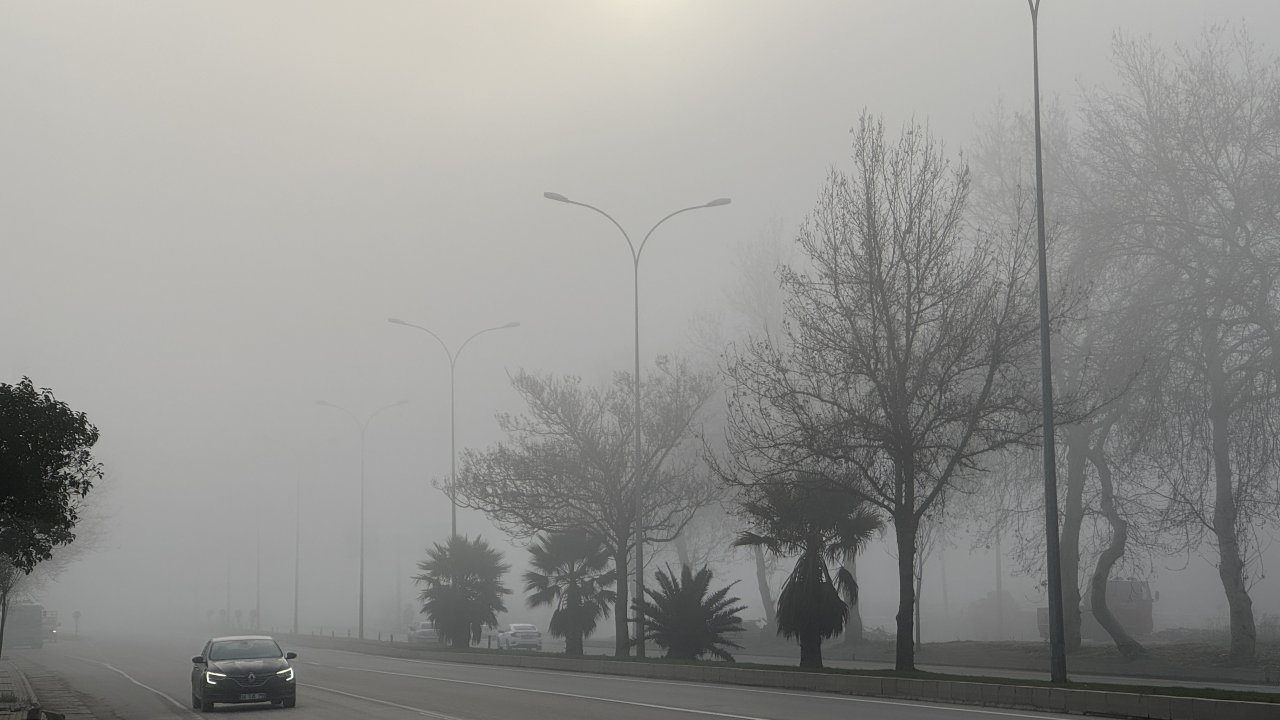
(25, 696)
(1134, 706)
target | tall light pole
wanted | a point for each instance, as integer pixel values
(297, 544)
(257, 581)
(364, 426)
(453, 425)
(636, 251)
(1057, 636)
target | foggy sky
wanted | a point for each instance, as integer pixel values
(208, 210)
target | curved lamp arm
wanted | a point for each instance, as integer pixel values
(635, 250)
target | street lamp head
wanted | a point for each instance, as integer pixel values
(403, 402)
(396, 321)
(510, 325)
(555, 196)
(718, 202)
(325, 403)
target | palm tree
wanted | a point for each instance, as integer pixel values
(812, 518)
(687, 622)
(570, 572)
(463, 588)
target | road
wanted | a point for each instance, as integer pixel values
(142, 678)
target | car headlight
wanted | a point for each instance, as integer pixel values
(286, 674)
(212, 677)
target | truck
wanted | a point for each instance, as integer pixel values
(1131, 602)
(24, 626)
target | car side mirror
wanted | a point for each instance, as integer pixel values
(290, 655)
(197, 660)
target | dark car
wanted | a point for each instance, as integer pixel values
(242, 669)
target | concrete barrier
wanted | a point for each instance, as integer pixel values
(1136, 706)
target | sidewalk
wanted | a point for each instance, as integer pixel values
(17, 700)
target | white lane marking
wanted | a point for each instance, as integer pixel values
(131, 679)
(420, 711)
(632, 703)
(815, 694)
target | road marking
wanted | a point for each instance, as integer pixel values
(131, 679)
(632, 703)
(420, 711)
(817, 694)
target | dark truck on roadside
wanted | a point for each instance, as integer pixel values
(24, 626)
(1130, 601)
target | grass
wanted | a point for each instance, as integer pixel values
(8, 698)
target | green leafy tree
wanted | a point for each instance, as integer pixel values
(571, 572)
(683, 619)
(46, 467)
(463, 588)
(817, 521)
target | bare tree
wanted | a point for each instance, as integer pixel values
(908, 345)
(568, 464)
(1186, 157)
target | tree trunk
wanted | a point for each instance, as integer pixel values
(573, 638)
(622, 640)
(905, 530)
(1076, 439)
(810, 650)
(1127, 646)
(682, 551)
(942, 567)
(919, 585)
(853, 629)
(4, 618)
(1231, 566)
(766, 595)
(573, 644)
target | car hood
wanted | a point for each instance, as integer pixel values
(257, 666)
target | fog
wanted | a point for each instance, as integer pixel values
(208, 212)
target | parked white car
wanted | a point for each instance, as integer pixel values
(520, 636)
(424, 632)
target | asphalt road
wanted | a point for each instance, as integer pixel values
(141, 678)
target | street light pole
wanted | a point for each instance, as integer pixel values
(257, 582)
(1057, 635)
(297, 544)
(453, 424)
(364, 426)
(635, 419)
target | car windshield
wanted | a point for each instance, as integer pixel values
(244, 649)
(522, 628)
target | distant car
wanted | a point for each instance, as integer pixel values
(242, 669)
(520, 636)
(424, 632)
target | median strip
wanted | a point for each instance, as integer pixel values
(945, 690)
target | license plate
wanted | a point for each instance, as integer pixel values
(253, 696)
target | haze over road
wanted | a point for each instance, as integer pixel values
(143, 678)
